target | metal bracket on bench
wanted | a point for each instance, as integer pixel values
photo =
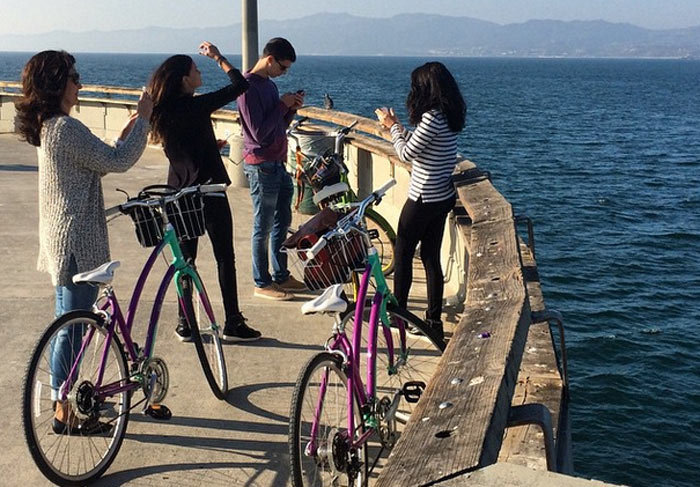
(536, 414)
(550, 315)
(530, 231)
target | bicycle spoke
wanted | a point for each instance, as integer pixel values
(77, 454)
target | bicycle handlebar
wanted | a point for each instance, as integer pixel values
(152, 200)
(316, 248)
(386, 187)
(212, 188)
(352, 220)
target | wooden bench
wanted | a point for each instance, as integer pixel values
(459, 424)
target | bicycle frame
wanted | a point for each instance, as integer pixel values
(111, 310)
(351, 351)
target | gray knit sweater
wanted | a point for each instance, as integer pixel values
(72, 161)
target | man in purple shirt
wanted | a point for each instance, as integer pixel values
(265, 116)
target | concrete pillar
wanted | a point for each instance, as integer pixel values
(249, 56)
(249, 32)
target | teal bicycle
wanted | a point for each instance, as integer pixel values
(103, 367)
(327, 176)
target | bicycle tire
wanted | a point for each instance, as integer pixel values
(385, 242)
(207, 342)
(305, 471)
(74, 458)
(425, 352)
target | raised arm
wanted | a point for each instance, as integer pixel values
(409, 148)
(91, 153)
(211, 102)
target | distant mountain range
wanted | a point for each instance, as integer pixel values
(401, 35)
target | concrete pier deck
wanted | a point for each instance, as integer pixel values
(240, 441)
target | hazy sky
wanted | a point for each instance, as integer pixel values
(33, 16)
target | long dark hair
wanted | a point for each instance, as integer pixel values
(44, 80)
(165, 86)
(433, 87)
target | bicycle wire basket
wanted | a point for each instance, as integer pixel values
(333, 264)
(186, 215)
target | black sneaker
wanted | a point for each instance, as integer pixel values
(239, 331)
(183, 332)
(437, 326)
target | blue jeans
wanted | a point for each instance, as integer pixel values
(271, 189)
(66, 344)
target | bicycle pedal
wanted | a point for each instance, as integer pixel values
(161, 412)
(413, 390)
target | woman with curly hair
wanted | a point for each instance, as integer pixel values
(72, 224)
(437, 109)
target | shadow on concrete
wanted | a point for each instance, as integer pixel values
(265, 342)
(18, 168)
(239, 397)
(187, 473)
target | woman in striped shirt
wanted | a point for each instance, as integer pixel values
(437, 109)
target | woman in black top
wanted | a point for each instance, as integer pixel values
(181, 122)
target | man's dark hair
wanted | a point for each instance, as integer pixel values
(281, 49)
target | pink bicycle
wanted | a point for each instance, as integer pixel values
(339, 426)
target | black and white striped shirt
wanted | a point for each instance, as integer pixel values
(432, 151)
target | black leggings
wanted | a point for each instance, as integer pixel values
(219, 224)
(424, 223)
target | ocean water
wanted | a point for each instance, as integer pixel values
(604, 156)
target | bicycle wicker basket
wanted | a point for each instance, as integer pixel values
(186, 215)
(333, 264)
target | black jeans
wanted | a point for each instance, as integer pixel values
(424, 223)
(219, 224)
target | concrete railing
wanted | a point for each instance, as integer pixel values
(371, 160)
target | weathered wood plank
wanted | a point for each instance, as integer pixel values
(442, 442)
(484, 203)
(478, 371)
(469, 433)
(494, 252)
(364, 124)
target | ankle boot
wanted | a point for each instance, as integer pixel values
(437, 327)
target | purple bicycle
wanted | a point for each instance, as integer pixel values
(88, 360)
(339, 427)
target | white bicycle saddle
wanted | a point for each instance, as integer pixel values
(102, 275)
(331, 301)
(329, 191)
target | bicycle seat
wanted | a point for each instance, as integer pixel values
(101, 275)
(332, 300)
(332, 190)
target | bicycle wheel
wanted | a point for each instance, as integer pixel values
(423, 353)
(383, 238)
(75, 456)
(207, 341)
(330, 463)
